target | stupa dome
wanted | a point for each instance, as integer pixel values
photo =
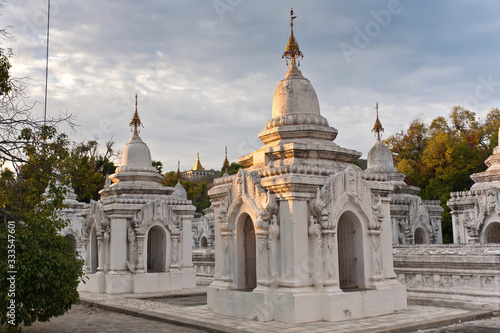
(380, 159)
(295, 94)
(136, 153)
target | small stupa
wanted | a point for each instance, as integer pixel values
(414, 221)
(138, 236)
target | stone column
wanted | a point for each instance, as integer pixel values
(100, 249)
(385, 239)
(118, 244)
(294, 244)
(226, 236)
(273, 243)
(174, 261)
(140, 252)
(187, 239)
(377, 256)
(88, 266)
(330, 260)
(262, 257)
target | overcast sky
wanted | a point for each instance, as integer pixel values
(205, 71)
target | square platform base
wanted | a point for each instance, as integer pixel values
(307, 306)
(121, 282)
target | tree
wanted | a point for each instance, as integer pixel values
(88, 168)
(158, 165)
(196, 192)
(232, 169)
(440, 158)
(47, 268)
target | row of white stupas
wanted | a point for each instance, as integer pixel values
(301, 233)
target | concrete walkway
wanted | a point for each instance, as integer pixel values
(188, 309)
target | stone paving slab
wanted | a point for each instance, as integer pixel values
(416, 317)
(84, 319)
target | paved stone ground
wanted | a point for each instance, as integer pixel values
(488, 325)
(82, 319)
(192, 312)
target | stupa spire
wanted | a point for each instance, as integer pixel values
(225, 165)
(292, 50)
(179, 175)
(377, 128)
(136, 121)
(197, 165)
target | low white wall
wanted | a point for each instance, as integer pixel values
(204, 265)
(461, 275)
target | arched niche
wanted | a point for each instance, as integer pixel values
(350, 252)
(420, 237)
(72, 240)
(492, 233)
(156, 249)
(203, 242)
(246, 253)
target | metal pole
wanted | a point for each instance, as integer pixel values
(46, 65)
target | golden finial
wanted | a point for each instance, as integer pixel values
(136, 121)
(292, 48)
(377, 128)
(197, 165)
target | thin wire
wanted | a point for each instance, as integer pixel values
(47, 65)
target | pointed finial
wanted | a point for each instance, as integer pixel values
(377, 128)
(136, 121)
(197, 165)
(225, 165)
(179, 175)
(292, 48)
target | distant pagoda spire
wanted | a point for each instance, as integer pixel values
(292, 48)
(197, 165)
(136, 121)
(225, 165)
(377, 128)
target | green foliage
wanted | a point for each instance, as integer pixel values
(5, 65)
(233, 168)
(196, 192)
(170, 179)
(88, 169)
(440, 158)
(48, 270)
(158, 165)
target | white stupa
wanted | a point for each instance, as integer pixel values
(138, 236)
(302, 234)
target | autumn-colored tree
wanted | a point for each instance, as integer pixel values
(440, 158)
